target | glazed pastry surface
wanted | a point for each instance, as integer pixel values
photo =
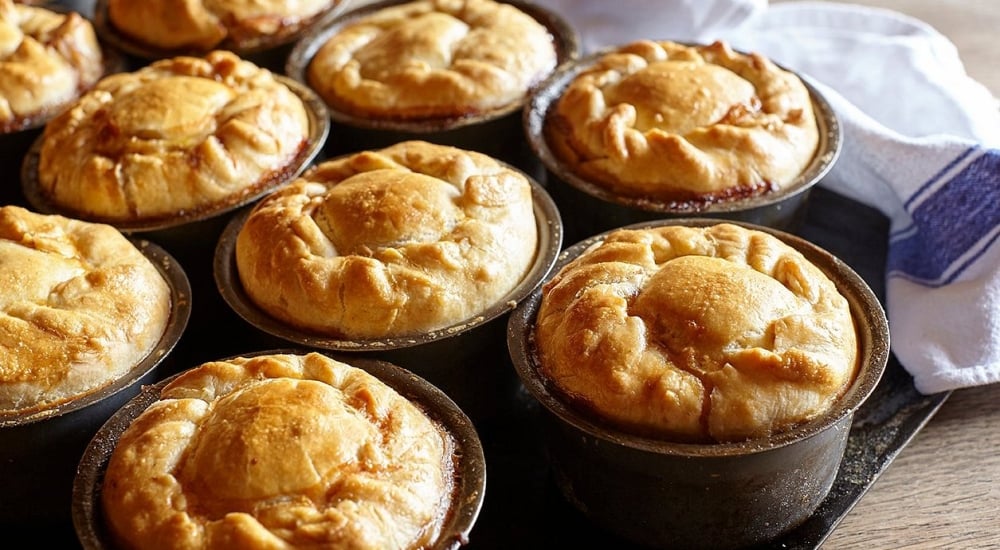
(427, 59)
(411, 238)
(697, 334)
(202, 25)
(47, 59)
(670, 122)
(279, 451)
(174, 138)
(80, 306)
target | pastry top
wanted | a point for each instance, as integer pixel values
(174, 138)
(433, 59)
(202, 25)
(711, 334)
(670, 122)
(47, 59)
(411, 238)
(279, 451)
(80, 304)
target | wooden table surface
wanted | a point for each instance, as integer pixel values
(943, 489)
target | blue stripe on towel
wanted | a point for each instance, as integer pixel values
(941, 173)
(957, 222)
(930, 187)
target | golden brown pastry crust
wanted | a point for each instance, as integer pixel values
(718, 333)
(175, 138)
(411, 238)
(201, 25)
(80, 306)
(279, 451)
(47, 59)
(670, 122)
(433, 59)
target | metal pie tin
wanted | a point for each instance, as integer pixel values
(664, 494)
(468, 360)
(596, 209)
(39, 449)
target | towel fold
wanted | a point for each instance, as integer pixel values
(921, 145)
(942, 196)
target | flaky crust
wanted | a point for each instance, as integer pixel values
(175, 138)
(202, 25)
(697, 334)
(279, 451)
(669, 122)
(433, 59)
(411, 238)
(47, 59)
(80, 306)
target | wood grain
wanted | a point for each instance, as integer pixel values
(942, 491)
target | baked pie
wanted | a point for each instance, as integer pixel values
(394, 242)
(430, 59)
(665, 121)
(176, 138)
(696, 334)
(82, 306)
(47, 59)
(280, 451)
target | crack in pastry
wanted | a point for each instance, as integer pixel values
(696, 334)
(47, 59)
(206, 24)
(177, 137)
(81, 306)
(428, 59)
(289, 451)
(411, 238)
(666, 121)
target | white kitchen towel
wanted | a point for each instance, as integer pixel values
(608, 22)
(921, 144)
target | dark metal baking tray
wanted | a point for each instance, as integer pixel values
(523, 508)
